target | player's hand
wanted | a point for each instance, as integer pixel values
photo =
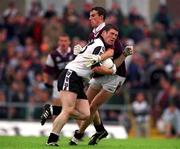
(91, 59)
(77, 49)
(129, 50)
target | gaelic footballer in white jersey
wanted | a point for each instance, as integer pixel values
(78, 65)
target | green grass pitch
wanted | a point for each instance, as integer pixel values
(18, 142)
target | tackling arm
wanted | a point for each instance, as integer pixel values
(104, 70)
(129, 50)
(109, 53)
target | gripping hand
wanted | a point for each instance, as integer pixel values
(91, 59)
(77, 49)
(129, 50)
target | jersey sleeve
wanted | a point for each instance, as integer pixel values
(49, 61)
(49, 65)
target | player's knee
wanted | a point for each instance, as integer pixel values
(86, 115)
(68, 110)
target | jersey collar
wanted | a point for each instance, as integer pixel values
(64, 54)
(98, 29)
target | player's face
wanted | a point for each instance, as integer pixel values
(95, 18)
(110, 36)
(64, 42)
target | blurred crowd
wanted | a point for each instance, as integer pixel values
(153, 80)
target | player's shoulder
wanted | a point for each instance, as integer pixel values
(119, 44)
(99, 42)
(54, 52)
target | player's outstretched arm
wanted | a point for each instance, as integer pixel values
(129, 50)
(109, 53)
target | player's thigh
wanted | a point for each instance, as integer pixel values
(82, 105)
(68, 99)
(112, 82)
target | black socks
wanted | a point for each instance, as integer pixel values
(56, 110)
(99, 128)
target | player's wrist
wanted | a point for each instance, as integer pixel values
(99, 58)
(125, 54)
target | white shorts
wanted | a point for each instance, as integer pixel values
(107, 82)
(55, 92)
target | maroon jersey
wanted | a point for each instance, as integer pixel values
(118, 49)
(56, 62)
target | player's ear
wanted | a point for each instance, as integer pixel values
(101, 17)
(103, 33)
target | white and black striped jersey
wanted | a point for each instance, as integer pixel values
(95, 47)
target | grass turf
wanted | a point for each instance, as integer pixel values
(18, 142)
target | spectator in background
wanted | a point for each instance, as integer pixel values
(167, 94)
(11, 10)
(133, 15)
(3, 42)
(163, 16)
(157, 71)
(141, 110)
(22, 30)
(117, 12)
(125, 28)
(10, 26)
(175, 32)
(18, 94)
(137, 33)
(50, 12)
(158, 33)
(37, 29)
(71, 23)
(35, 10)
(52, 30)
(171, 120)
(86, 9)
(136, 75)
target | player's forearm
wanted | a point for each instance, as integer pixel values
(118, 61)
(102, 70)
(129, 50)
(109, 53)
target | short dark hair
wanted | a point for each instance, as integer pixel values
(108, 27)
(64, 35)
(101, 11)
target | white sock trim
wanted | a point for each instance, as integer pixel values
(55, 133)
(74, 140)
(51, 109)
